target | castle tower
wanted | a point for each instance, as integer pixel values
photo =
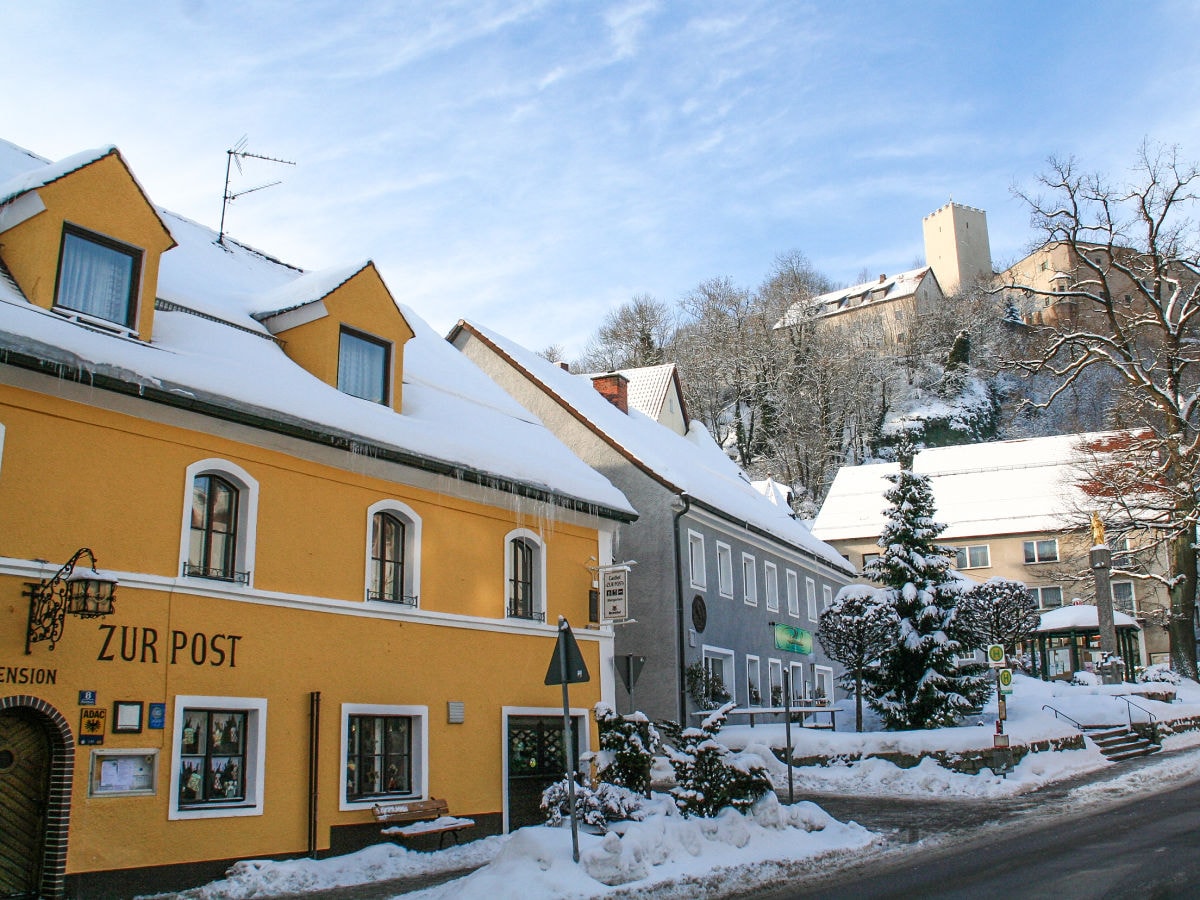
(956, 245)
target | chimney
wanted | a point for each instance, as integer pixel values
(615, 389)
(882, 279)
(565, 366)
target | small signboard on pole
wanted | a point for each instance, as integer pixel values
(614, 592)
(996, 656)
(1005, 677)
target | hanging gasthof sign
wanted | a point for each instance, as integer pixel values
(614, 592)
(793, 639)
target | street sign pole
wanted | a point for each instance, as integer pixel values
(787, 730)
(567, 666)
(562, 668)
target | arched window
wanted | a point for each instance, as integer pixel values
(393, 553)
(212, 544)
(387, 559)
(525, 576)
(220, 511)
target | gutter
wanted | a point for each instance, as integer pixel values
(306, 432)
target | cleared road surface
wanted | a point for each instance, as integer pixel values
(1143, 848)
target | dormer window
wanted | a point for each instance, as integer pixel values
(98, 277)
(364, 366)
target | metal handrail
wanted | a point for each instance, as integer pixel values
(1058, 714)
(1130, 705)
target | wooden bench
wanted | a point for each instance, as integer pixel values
(427, 817)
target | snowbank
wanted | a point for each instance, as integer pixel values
(662, 850)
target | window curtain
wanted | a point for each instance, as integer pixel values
(362, 366)
(96, 280)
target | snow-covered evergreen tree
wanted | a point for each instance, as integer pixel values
(999, 611)
(627, 748)
(709, 776)
(855, 630)
(917, 683)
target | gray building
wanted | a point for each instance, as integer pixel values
(725, 582)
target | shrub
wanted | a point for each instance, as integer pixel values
(607, 803)
(710, 777)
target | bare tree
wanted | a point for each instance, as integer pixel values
(1126, 301)
(634, 334)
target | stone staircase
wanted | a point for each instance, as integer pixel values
(1118, 742)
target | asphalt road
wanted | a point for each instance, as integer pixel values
(1144, 848)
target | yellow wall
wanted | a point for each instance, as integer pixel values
(75, 475)
(101, 197)
(364, 304)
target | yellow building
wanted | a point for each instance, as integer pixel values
(341, 552)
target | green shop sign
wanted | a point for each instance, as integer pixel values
(793, 639)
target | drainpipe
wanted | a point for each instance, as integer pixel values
(314, 744)
(681, 625)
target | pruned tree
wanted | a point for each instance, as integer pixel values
(998, 611)
(918, 682)
(855, 630)
(1125, 299)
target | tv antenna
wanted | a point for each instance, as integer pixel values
(234, 155)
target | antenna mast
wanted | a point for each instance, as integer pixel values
(235, 155)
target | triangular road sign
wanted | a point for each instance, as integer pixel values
(576, 669)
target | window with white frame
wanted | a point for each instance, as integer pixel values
(393, 553)
(98, 277)
(364, 366)
(696, 559)
(725, 569)
(220, 520)
(218, 754)
(796, 680)
(973, 557)
(793, 593)
(775, 676)
(826, 597)
(1048, 597)
(749, 580)
(525, 575)
(810, 595)
(1123, 597)
(1041, 551)
(753, 681)
(384, 752)
(822, 688)
(771, 586)
(718, 665)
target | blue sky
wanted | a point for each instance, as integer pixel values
(532, 165)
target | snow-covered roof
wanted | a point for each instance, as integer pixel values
(648, 387)
(454, 420)
(774, 491)
(691, 464)
(1002, 487)
(1083, 616)
(885, 288)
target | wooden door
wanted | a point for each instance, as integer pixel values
(24, 787)
(535, 761)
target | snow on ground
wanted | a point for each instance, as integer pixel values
(663, 851)
(670, 856)
(380, 862)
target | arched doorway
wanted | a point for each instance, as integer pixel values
(36, 763)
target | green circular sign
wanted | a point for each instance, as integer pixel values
(1006, 677)
(995, 653)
